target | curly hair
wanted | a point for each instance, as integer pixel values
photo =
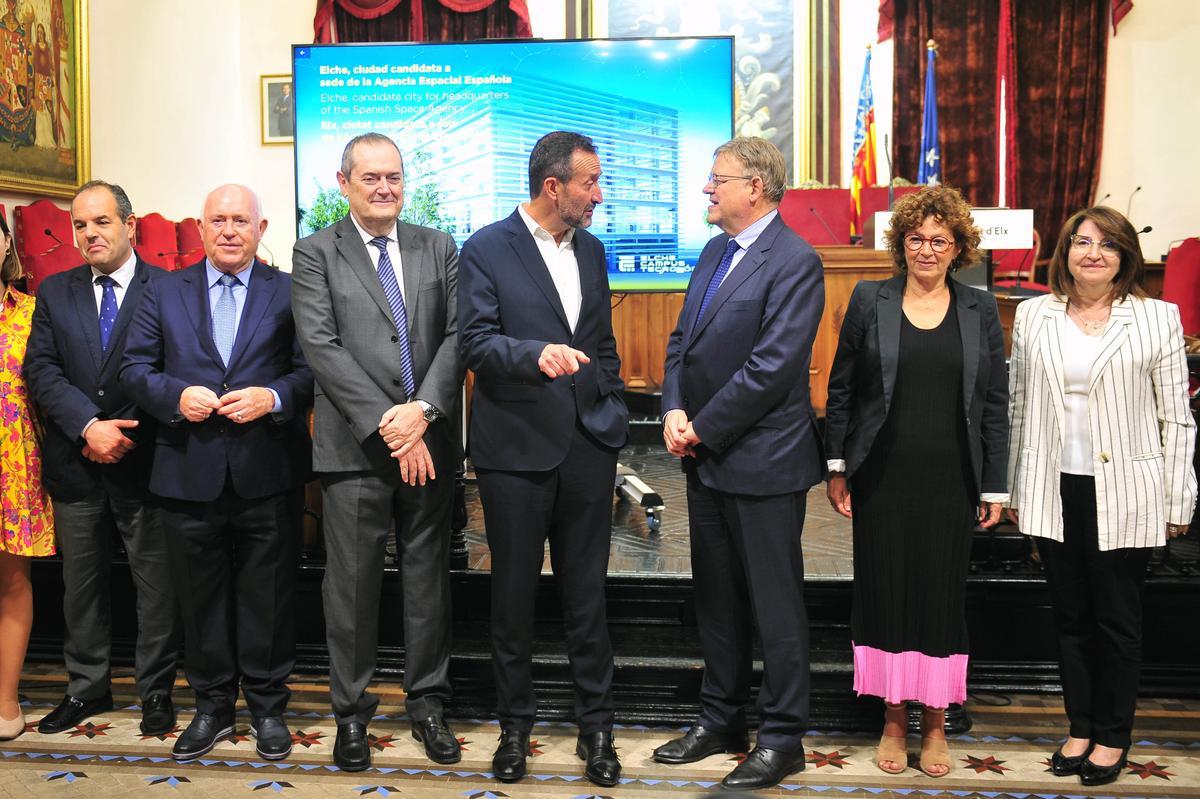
(10, 268)
(1117, 229)
(947, 206)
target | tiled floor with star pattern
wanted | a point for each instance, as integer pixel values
(1004, 756)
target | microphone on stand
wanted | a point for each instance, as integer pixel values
(1129, 205)
(833, 239)
(1102, 199)
(263, 244)
(1146, 229)
(57, 242)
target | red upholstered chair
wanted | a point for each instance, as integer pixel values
(155, 240)
(821, 216)
(191, 246)
(875, 198)
(45, 241)
(1181, 283)
(1016, 267)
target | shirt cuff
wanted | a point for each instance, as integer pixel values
(836, 465)
(663, 419)
(92, 421)
(278, 402)
(999, 498)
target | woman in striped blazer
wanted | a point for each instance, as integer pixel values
(1100, 468)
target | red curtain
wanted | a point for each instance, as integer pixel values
(420, 20)
(1060, 53)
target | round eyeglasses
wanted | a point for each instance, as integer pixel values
(938, 244)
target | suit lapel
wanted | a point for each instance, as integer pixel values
(888, 310)
(141, 273)
(259, 293)
(198, 310)
(531, 259)
(1114, 337)
(1051, 333)
(352, 249)
(701, 277)
(750, 263)
(968, 328)
(84, 297)
(411, 263)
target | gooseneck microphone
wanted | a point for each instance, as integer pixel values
(833, 239)
(57, 242)
(1102, 199)
(1129, 205)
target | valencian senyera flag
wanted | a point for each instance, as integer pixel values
(930, 169)
(863, 171)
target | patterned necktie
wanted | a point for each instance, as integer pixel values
(718, 277)
(391, 290)
(225, 317)
(108, 309)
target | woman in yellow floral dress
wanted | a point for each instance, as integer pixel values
(26, 524)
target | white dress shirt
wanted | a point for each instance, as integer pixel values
(560, 261)
(1079, 355)
(122, 276)
(393, 251)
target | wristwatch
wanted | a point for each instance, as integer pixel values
(428, 411)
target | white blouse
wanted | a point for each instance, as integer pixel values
(1079, 355)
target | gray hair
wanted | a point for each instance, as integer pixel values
(124, 206)
(762, 160)
(364, 138)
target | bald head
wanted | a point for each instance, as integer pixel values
(232, 226)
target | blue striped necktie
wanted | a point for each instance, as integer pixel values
(108, 309)
(718, 277)
(225, 317)
(391, 290)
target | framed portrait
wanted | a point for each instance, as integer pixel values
(44, 113)
(278, 109)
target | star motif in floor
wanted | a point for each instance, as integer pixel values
(237, 736)
(162, 736)
(31, 726)
(1150, 769)
(381, 790)
(380, 742)
(463, 743)
(986, 764)
(69, 776)
(275, 785)
(170, 779)
(90, 730)
(739, 757)
(307, 739)
(820, 759)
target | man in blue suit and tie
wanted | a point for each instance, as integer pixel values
(547, 420)
(213, 356)
(96, 457)
(737, 411)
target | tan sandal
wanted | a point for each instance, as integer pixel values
(892, 748)
(934, 751)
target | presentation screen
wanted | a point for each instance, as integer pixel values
(466, 115)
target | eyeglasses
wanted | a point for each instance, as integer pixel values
(717, 180)
(938, 244)
(1084, 244)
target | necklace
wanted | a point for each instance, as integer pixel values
(1091, 326)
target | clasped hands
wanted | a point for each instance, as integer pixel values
(679, 435)
(401, 427)
(197, 403)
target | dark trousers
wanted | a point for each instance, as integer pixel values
(84, 529)
(747, 566)
(359, 508)
(234, 561)
(1098, 613)
(572, 507)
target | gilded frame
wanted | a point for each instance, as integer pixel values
(55, 126)
(277, 126)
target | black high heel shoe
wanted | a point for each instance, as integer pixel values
(1063, 766)
(1091, 774)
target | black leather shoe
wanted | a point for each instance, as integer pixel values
(1091, 774)
(351, 752)
(597, 751)
(763, 768)
(202, 735)
(441, 746)
(71, 711)
(1063, 766)
(158, 715)
(508, 764)
(699, 743)
(273, 739)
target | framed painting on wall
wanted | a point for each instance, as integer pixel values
(44, 109)
(278, 120)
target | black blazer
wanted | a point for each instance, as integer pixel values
(508, 311)
(864, 375)
(72, 381)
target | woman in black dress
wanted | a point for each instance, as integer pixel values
(916, 432)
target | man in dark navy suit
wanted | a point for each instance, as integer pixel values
(96, 458)
(737, 410)
(547, 420)
(213, 356)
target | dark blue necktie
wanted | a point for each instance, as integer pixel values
(391, 290)
(108, 309)
(718, 277)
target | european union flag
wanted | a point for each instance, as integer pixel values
(930, 169)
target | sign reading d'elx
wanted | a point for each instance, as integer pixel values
(1001, 228)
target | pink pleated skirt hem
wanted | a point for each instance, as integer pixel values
(904, 676)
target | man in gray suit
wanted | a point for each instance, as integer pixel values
(374, 301)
